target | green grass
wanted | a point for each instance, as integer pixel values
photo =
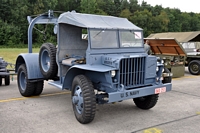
(10, 54)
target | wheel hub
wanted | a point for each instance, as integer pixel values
(195, 67)
(22, 81)
(77, 99)
(45, 60)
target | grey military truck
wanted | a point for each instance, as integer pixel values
(109, 66)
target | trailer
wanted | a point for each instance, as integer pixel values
(4, 72)
(176, 56)
(188, 44)
(171, 52)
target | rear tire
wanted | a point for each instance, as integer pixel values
(38, 87)
(83, 99)
(146, 102)
(47, 61)
(26, 88)
(194, 67)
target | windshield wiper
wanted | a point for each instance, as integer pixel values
(99, 33)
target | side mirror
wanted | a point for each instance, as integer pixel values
(55, 29)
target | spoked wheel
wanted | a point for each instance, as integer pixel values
(146, 102)
(194, 67)
(26, 88)
(83, 99)
(47, 61)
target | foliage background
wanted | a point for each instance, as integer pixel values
(153, 19)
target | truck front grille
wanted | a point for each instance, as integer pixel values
(132, 71)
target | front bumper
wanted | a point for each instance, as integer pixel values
(140, 92)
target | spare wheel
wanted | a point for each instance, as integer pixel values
(47, 61)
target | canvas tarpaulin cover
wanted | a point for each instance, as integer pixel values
(96, 21)
(179, 36)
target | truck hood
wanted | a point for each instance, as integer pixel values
(113, 60)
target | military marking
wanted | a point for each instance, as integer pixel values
(134, 93)
(131, 93)
(108, 62)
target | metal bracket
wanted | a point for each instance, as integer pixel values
(46, 18)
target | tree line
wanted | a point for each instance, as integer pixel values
(152, 19)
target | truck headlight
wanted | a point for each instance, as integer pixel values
(113, 73)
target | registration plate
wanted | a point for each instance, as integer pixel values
(160, 90)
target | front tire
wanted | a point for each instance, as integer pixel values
(26, 88)
(194, 67)
(83, 99)
(146, 102)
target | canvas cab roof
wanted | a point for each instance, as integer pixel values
(165, 46)
(96, 21)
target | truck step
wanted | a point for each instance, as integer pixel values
(56, 84)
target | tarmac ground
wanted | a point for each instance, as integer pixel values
(177, 111)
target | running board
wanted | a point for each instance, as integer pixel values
(56, 84)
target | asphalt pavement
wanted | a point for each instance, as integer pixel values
(177, 111)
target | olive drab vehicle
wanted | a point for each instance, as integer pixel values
(178, 50)
(176, 56)
(109, 66)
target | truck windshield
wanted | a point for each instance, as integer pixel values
(130, 39)
(101, 38)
